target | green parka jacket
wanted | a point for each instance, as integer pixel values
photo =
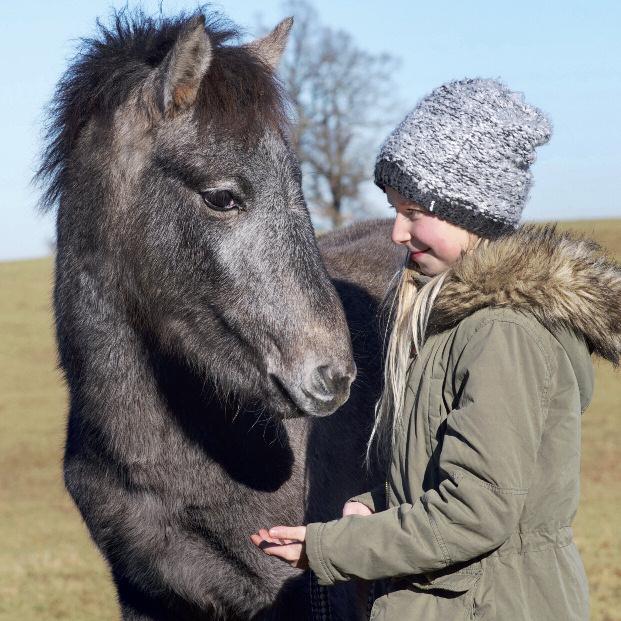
(484, 478)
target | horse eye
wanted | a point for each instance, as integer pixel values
(220, 200)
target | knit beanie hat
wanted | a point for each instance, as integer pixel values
(464, 154)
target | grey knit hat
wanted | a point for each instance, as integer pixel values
(464, 154)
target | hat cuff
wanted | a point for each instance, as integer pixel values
(460, 213)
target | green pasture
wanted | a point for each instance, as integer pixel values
(49, 569)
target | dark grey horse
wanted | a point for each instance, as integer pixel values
(201, 336)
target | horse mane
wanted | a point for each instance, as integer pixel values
(239, 94)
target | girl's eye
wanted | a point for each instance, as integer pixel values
(417, 214)
(220, 200)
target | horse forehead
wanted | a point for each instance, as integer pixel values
(267, 150)
(266, 141)
(273, 140)
(275, 153)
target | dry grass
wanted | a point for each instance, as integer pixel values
(49, 569)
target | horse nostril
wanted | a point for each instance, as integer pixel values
(327, 381)
(322, 379)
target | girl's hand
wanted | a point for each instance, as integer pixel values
(353, 507)
(284, 542)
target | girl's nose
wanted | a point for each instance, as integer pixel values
(400, 230)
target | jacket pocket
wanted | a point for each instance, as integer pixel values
(457, 578)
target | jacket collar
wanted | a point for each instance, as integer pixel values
(564, 280)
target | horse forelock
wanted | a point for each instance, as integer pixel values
(239, 95)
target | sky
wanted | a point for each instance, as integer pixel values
(565, 56)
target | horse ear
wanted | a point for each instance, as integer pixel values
(185, 66)
(270, 48)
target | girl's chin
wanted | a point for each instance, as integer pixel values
(425, 270)
(421, 266)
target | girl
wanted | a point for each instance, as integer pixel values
(487, 375)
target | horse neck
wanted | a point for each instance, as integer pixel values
(111, 385)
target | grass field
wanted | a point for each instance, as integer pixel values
(50, 570)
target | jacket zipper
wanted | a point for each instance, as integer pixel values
(386, 490)
(386, 484)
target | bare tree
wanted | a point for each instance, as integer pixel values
(341, 96)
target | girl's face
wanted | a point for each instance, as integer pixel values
(434, 244)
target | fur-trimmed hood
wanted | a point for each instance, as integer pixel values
(564, 280)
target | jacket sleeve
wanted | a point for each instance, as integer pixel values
(490, 446)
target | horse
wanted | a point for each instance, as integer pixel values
(222, 363)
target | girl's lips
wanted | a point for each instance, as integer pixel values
(417, 253)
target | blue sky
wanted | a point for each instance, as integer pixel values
(564, 56)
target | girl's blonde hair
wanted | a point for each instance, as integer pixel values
(410, 309)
